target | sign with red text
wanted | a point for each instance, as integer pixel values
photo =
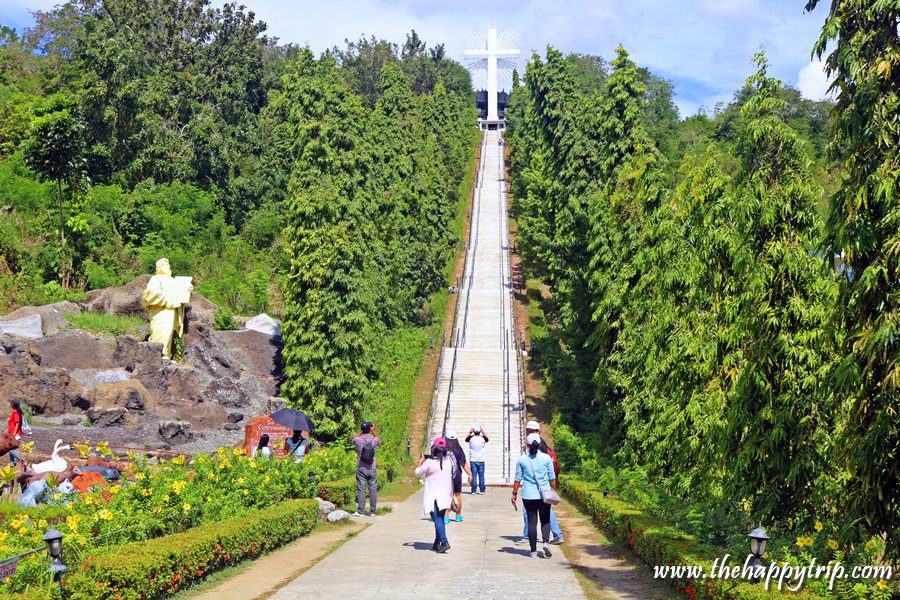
(264, 424)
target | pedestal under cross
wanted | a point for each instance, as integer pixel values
(488, 56)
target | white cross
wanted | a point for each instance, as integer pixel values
(492, 53)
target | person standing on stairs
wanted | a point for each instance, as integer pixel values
(477, 439)
(366, 471)
(535, 427)
(462, 465)
(437, 470)
(534, 470)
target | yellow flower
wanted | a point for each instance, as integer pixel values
(765, 554)
(819, 526)
(17, 522)
(833, 544)
(186, 506)
(115, 489)
(147, 492)
(210, 475)
(27, 447)
(240, 480)
(105, 514)
(266, 479)
(3, 536)
(166, 498)
(208, 499)
(870, 545)
(882, 584)
(246, 493)
(179, 460)
(42, 523)
(140, 477)
(178, 486)
(790, 522)
(23, 530)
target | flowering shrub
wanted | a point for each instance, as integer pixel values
(659, 544)
(172, 496)
(161, 567)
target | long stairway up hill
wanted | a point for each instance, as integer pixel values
(478, 381)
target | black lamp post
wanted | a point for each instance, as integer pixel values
(312, 476)
(758, 539)
(53, 539)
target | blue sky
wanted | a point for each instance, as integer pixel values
(703, 46)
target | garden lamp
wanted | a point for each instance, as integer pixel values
(312, 476)
(758, 538)
(53, 539)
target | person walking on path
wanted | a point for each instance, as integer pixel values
(297, 445)
(366, 473)
(534, 427)
(461, 465)
(436, 470)
(16, 427)
(534, 470)
(477, 439)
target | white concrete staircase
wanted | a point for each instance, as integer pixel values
(478, 382)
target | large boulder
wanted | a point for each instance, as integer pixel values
(120, 300)
(111, 417)
(90, 378)
(74, 350)
(25, 327)
(52, 315)
(176, 432)
(129, 394)
(325, 507)
(48, 391)
(263, 323)
(336, 516)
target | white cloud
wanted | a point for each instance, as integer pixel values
(813, 82)
(732, 7)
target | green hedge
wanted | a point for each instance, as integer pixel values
(160, 567)
(658, 544)
(340, 492)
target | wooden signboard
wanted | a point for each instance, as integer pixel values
(264, 424)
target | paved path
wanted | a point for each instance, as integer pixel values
(392, 559)
(482, 362)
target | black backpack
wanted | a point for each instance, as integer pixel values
(367, 455)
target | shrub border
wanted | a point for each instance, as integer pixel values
(162, 566)
(657, 544)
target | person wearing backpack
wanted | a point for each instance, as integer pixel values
(534, 427)
(366, 473)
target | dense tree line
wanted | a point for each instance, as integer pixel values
(372, 196)
(133, 129)
(705, 329)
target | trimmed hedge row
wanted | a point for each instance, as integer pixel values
(160, 567)
(340, 492)
(657, 544)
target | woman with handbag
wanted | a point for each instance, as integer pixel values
(537, 480)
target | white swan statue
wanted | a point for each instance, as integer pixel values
(55, 464)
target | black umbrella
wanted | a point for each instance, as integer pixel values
(293, 419)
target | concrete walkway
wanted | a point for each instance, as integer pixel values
(392, 559)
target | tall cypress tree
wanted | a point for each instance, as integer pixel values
(332, 285)
(863, 232)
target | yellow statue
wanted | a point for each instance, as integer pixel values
(165, 298)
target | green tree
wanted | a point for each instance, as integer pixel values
(863, 232)
(332, 286)
(55, 150)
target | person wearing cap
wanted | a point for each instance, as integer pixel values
(534, 470)
(477, 439)
(366, 468)
(436, 470)
(535, 427)
(459, 456)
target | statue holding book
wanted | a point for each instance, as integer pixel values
(165, 298)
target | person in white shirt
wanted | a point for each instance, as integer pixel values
(477, 439)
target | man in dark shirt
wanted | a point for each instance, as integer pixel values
(366, 474)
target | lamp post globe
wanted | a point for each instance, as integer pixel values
(758, 539)
(53, 539)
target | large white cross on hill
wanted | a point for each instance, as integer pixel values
(491, 52)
